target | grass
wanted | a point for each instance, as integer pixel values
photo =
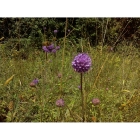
(113, 78)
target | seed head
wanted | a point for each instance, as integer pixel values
(45, 49)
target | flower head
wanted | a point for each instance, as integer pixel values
(60, 103)
(57, 47)
(45, 49)
(95, 101)
(79, 87)
(50, 48)
(55, 31)
(81, 62)
(54, 51)
(34, 82)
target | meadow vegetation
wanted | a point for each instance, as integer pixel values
(113, 79)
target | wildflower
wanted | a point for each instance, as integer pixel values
(50, 48)
(54, 51)
(96, 101)
(55, 31)
(68, 30)
(34, 82)
(81, 63)
(60, 103)
(45, 49)
(79, 87)
(57, 47)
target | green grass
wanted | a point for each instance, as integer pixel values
(113, 78)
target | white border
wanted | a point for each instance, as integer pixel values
(72, 8)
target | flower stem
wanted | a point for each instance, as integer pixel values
(83, 99)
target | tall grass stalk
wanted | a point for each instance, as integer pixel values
(63, 56)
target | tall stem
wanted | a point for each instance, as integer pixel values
(83, 99)
(63, 54)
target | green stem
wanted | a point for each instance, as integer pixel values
(83, 99)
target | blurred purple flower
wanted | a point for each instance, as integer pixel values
(68, 30)
(35, 81)
(60, 103)
(79, 87)
(57, 47)
(55, 31)
(50, 48)
(45, 49)
(81, 63)
(95, 101)
(54, 51)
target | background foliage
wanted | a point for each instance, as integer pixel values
(95, 30)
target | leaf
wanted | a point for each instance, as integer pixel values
(8, 80)
(125, 91)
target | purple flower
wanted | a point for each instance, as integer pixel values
(68, 30)
(60, 103)
(81, 63)
(50, 48)
(55, 31)
(57, 47)
(35, 81)
(95, 101)
(54, 51)
(45, 49)
(79, 87)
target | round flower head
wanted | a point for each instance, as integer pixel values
(55, 31)
(35, 81)
(96, 101)
(50, 48)
(81, 62)
(60, 103)
(45, 49)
